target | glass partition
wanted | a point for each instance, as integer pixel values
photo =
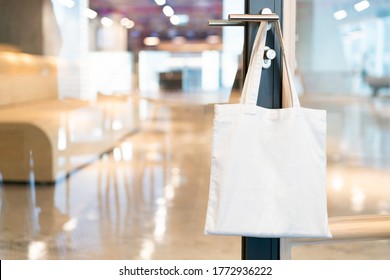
(343, 66)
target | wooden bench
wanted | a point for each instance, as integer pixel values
(45, 141)
(42, 138)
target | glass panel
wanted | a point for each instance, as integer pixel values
(343, 66)
(343, 59)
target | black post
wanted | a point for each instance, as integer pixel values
(271, 89)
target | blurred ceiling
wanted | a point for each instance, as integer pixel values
(150, 20)
(376, 8)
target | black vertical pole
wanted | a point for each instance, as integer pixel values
(270, 97)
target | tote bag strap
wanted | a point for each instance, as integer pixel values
(253, 76)
(251, 86)
(289, 88)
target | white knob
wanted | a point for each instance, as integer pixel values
(269, 54)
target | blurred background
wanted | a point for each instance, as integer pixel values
(106, 110)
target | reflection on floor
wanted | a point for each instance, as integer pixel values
(147, 199)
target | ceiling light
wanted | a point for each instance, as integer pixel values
(362, 5)
(90, 13)
(179, 19)
(168, 11)
(126, 21)
(339, 15)
(107, 22)
(67, 3)
(175, 20)
(130, 24)
(160, 2)
(184, 19)
(151, 41)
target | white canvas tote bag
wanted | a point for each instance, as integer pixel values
(268, 166)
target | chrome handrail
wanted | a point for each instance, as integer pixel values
(344, 229)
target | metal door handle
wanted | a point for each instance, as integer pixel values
(240, 19)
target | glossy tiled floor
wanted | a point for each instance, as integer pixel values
(147, 199)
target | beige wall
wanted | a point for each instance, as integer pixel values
(53, 51)
(28, 35)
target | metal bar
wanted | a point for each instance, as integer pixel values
(223, 22)
(352, 228)
(271, 87)
(253, 17)
(240, 19)
(344, 229)
(260, 248)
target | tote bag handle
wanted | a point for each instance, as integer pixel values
(253, 75)
(251, 86)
